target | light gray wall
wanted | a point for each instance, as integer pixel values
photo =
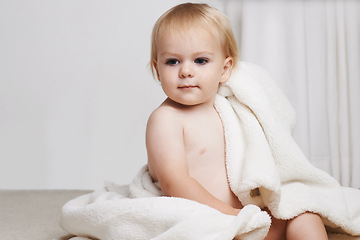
(75, 91)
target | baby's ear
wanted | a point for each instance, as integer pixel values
(228, 66)
(155, 69)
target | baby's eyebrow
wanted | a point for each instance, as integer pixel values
(169, 53)
(204, 53)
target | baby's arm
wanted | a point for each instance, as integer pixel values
(166, 156)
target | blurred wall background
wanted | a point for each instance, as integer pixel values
(76, 90)
(312, 49)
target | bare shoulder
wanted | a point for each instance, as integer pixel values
(164, 116)
(164, 140)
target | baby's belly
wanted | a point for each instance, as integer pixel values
(213, 178)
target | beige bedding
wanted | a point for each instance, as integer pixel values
(33, 214)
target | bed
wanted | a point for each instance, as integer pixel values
(33, 214)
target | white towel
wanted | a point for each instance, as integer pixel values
(265, 168)
(139, 212)
(269, 169)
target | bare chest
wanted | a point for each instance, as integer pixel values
(204, 148)
(205, 152)
(204, 141)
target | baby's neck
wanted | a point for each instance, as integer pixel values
(198, 107)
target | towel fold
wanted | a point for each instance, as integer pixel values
(259, 118)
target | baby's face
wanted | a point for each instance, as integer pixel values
(190, 66)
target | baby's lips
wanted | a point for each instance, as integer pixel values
(188, 86)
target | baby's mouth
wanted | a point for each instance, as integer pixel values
(188, 87)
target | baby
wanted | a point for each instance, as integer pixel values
(193, 52)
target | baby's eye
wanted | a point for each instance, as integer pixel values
(172, 61)
(201, 61)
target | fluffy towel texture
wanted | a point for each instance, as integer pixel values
(139, 212)
(265, 168)
(265, 165)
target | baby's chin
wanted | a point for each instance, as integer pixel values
(189, 102)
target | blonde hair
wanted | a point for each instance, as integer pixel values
(187, 15)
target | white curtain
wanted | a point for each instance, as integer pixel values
(312, 49)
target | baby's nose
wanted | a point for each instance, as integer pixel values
(186, 71)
